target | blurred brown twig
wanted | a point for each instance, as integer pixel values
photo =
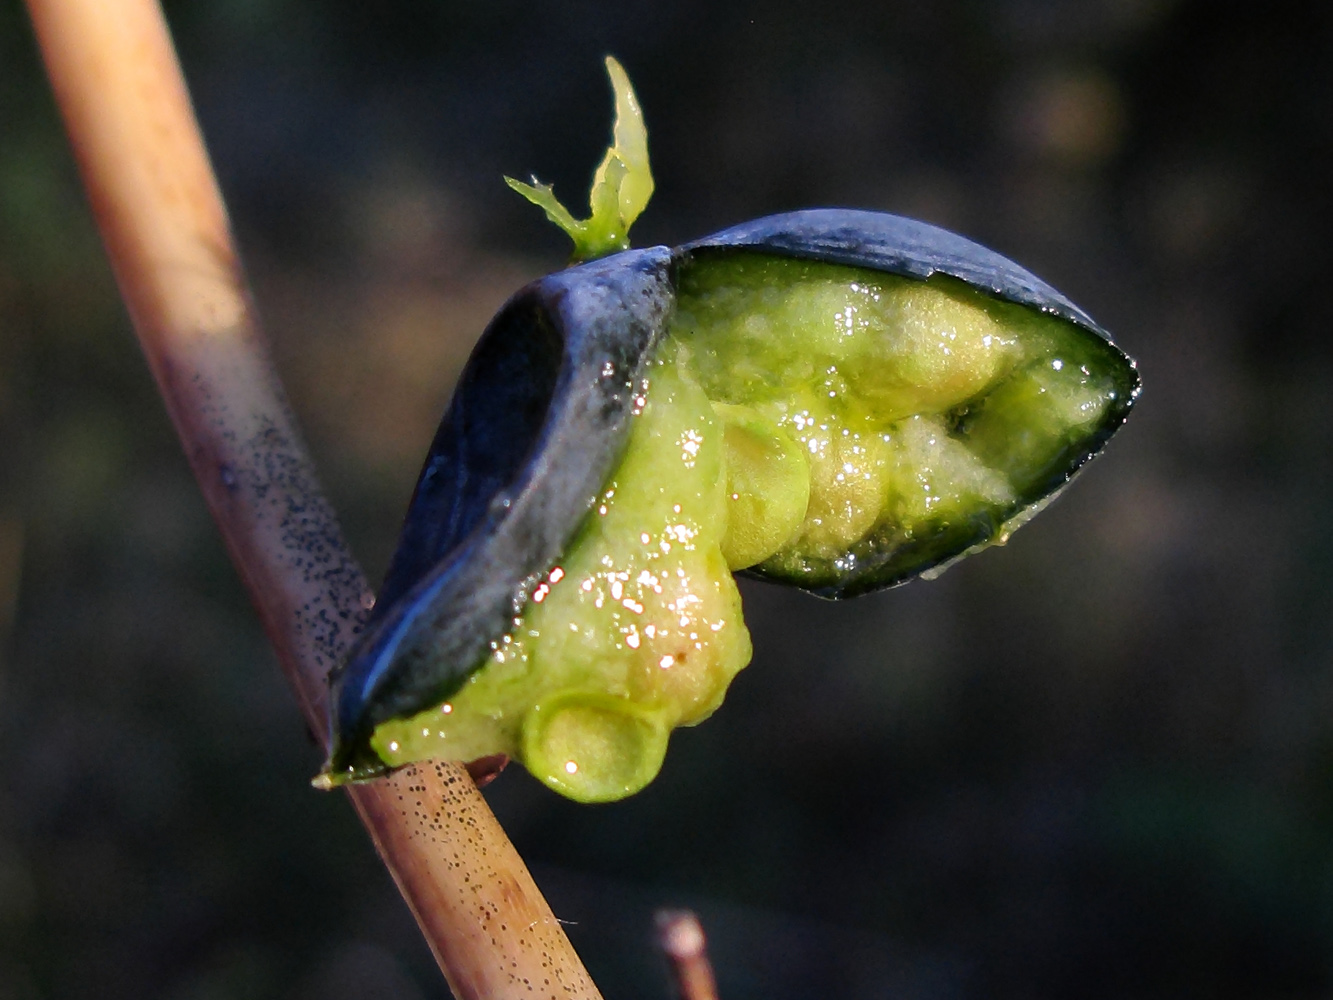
(681, 938)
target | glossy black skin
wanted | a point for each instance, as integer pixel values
(896, 245)
(539, 419)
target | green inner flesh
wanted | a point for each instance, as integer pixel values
(931, 416)
(637, 630)
(837, 428)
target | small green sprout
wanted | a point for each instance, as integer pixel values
(620, 188)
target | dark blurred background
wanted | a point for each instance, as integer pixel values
(1096, 763)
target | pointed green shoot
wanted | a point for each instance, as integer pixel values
(621, 186)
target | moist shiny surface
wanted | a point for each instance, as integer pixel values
(638, 630)
(832, 427)
(929, 414)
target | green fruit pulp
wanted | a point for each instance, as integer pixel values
(802, 420)
(636, 631)
(931, 416)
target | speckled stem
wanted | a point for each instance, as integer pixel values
(161, 216)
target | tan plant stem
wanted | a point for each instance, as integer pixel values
(157, 204)
(681, 938)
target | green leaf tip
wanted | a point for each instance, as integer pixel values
(621, 186)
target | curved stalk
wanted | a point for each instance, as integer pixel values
(161, 216)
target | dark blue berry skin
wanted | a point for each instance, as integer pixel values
(538, 421)
(540, 417)
(896, 245)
